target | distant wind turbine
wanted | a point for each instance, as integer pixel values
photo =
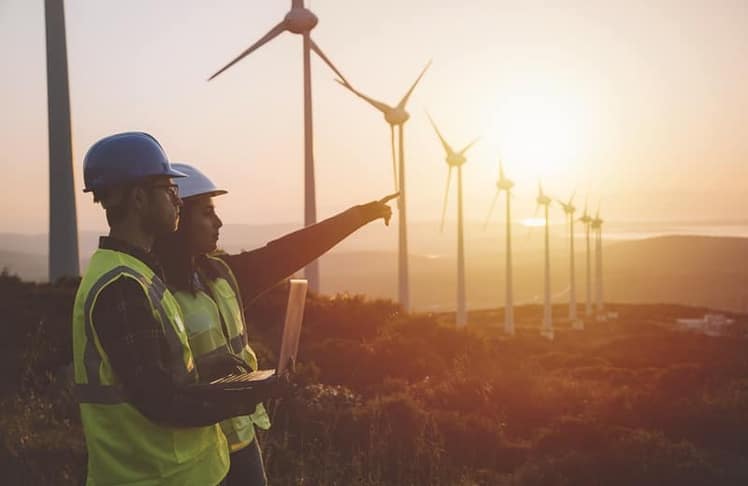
(299, 20)
(456, 159)
(63, 223)
(586, 219)
(569, 211)
(597, 227)
(396, 117)
(546, 329)
(505, 184)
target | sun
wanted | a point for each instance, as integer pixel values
(533, 222)
(538, 132)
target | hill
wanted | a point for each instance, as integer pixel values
(691, 270)
(385, 398)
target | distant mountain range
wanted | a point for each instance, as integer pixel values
(694, 270)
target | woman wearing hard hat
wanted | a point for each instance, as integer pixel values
(213, 289)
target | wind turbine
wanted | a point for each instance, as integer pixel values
(396, 116)
(546, 329)
(456, 159)
(63, 224)
(299, 20)
(586, 219)
(505, 184)
(569, 211)
(597, 227)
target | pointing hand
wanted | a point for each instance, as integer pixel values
(378, 209)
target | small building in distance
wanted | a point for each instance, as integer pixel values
(712, 324)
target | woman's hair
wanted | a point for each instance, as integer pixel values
(174, 252)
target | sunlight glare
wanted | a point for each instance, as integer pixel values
(533, 222)
(538, 132)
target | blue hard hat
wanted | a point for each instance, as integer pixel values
(196, 183)
(125, 158)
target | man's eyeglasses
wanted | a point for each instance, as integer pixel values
(172, 188)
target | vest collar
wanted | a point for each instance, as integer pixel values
(109, 243)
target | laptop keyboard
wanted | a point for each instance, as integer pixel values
(245, 377)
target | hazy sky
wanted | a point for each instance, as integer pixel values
(642, 103)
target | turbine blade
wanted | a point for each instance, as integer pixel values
(327, 61)
(465, 149)
(394, 162)
(446, 146)
(404, 100)
(446, 196)
(490, 210)
(573, 195)
(383, 107)
(501, 170)
(274, 32)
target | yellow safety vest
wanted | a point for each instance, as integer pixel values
(215, 324)
(125, 447)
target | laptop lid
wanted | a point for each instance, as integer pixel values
(292, 325)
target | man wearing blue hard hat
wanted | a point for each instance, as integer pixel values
(145, 418)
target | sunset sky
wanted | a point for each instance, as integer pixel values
(642, 104)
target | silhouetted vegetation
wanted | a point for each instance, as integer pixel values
(383, 398)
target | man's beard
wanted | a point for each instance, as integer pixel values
(154, 223)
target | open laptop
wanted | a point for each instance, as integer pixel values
(289, 345)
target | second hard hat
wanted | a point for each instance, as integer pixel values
(196, 183)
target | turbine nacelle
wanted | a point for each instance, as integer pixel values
(597, 222)
(396, 116)
(568, 208)
(542, 199)
(300, 20)
(455, 159)
(393, 115)
(504, 184)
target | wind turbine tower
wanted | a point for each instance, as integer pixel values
(505, 184)
(597, 227)
(455, 160)
(299, 20)
(546, 329)
(586, 219)
(569, 211)
(63, 224)
(396, 116)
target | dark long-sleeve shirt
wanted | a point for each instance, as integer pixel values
(136, 345)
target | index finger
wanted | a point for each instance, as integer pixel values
(389, 198)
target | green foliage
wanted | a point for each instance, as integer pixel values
(384, 398)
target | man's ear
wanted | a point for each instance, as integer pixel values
(139, 198)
